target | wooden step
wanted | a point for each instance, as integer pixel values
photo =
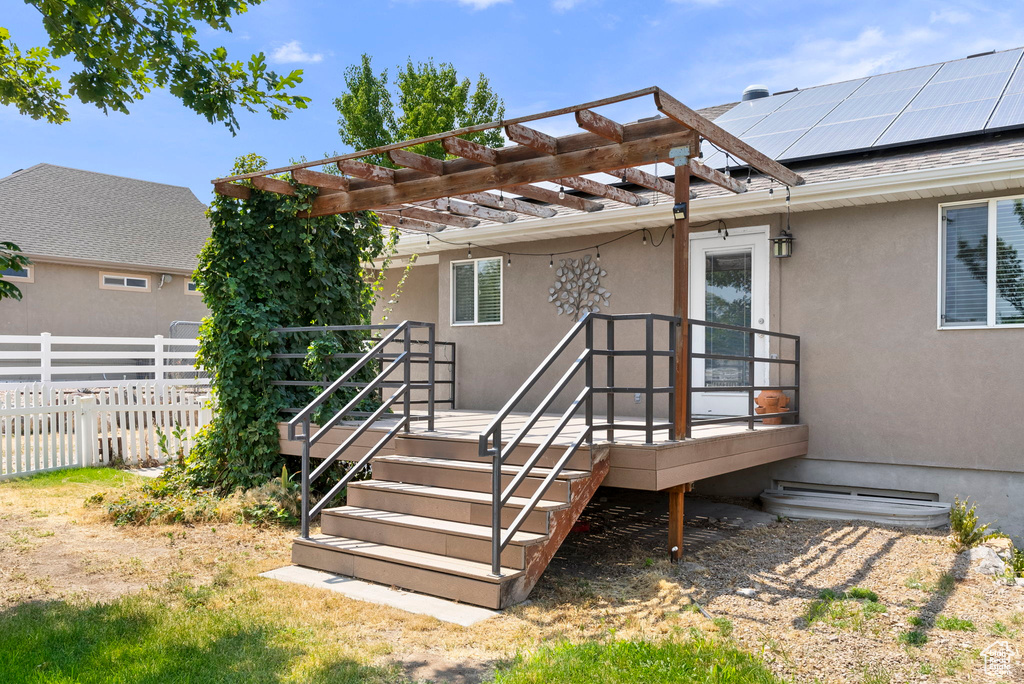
(452, 578)
(432, 446)
(444, 503)
(455, 474)
(428, 534)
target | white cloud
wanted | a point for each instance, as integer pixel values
(481, 4)
(292, 53)
(565, 5)
(949, 16)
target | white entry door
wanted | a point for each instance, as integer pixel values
(728, 284)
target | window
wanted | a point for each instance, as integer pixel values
(476, 292)
(982, 264)
(124, 281)
(20, 274)
(190, 287)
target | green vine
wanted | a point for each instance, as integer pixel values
(265, 267)
(386, 312)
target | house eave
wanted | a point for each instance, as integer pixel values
(988, 176)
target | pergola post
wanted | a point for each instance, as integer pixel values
(681, 282)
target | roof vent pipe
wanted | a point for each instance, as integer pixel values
(755, 92)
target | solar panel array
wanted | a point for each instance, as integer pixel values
(962, 97)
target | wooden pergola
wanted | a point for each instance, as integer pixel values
(428, 194)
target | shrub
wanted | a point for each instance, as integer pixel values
(1016, 563)
(963, 522)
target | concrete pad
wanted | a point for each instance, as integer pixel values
(442, 609)
(148, 472)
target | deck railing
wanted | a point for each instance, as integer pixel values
(750, 387)
(401, 361)
(491, 444)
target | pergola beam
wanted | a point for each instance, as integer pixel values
(535, 140)
(676, 110)
(599, 125)
(532, 170)
(602, 190)
(386, 218)
(551, 197)
(468, 149)
(647, 180)
(474, 210)
(232, 190)
(431, 216)
(325, 181)
(370, 172)
(268, 184)
(487, 199)
(706, 173)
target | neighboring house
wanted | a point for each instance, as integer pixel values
(905, 283)
(111, 256)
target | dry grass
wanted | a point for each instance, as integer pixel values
(51, 547)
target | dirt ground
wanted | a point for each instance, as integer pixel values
(53, 548)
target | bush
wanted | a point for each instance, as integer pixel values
(963, 522)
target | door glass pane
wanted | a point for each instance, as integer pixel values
(727, 300)
(1009, 267)
(464, 302)
(965, 299)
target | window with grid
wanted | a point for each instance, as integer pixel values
(476, 292)
(982, 264)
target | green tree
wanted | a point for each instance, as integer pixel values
(11, 258)
(429, 98)
(124, 48)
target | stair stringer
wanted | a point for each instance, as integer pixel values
(559, 526)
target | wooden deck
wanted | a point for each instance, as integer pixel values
(713, 450)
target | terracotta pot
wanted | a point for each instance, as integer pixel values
(771, 401)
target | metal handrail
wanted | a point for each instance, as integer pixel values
(490, 441)
(751, 387)
(401, 360)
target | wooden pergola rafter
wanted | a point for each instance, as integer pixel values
(428, 194)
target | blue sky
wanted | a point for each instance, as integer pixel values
(539, 54)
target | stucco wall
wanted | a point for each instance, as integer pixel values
(891, 401)
(67, 300)
(417, 300)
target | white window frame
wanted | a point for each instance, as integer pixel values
(192, 293)
(991, 295)
(30, 278)
(476, 292)
(125, 288)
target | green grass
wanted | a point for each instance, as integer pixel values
(845, 610)
(697, 661)
(954, 624)
(913, 638)
(106, 477)
(181, 639)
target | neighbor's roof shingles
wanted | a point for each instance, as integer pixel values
(54, 211)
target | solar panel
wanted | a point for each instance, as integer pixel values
(1010, 112)
(839, 137)
(978, 66)
(961, 97)
(938, 122)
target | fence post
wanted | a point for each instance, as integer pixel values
(159, 361)
(45, 362)
(85, 430)
(205, 410)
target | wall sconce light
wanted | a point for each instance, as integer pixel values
(782, 245)
(679, 211)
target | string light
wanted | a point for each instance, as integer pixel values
(598, 253)
(401, 219)
(645, 237)
(501, 199)
(748, 177)
(561, 192)
(509, 262)
(551, 260)
(469, 251)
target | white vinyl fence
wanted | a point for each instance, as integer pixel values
(79, 362)
(47, 428)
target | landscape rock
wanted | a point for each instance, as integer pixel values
(1020, 582)
(989, 563)
(747, 591)
(1002, 546)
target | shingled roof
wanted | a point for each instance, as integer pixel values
(70, 214)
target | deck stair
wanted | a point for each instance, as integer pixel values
(423, 522)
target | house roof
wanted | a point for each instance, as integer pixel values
(69, 214)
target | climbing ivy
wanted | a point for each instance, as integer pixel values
(266, 267)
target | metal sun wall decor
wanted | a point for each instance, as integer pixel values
(577, 289)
